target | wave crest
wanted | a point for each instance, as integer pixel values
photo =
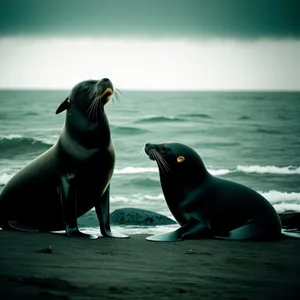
(12, 145)
(135, 170)
(289, 170)
(128, 130)
(159, 119)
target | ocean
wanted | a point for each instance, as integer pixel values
(249, 137)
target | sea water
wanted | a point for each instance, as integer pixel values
(249, 137)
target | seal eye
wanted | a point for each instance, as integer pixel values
(180, 159)
(164, 149)
(86, 89)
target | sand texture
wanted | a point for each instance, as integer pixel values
(138, 269)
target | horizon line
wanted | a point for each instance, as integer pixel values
(48, 89)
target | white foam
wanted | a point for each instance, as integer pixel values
(289, 170)
(287, 206)
(276, 196)
(4, 177)
(49, 141)
(283, 201)
(159, 197)
(11, 137)
(219, 172)
(136, 198)
(140, 170)
(130, 230)
(135, 170)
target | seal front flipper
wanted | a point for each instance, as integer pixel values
(194, 229)
(173, 236)
(102, 211)
(14, 225)
(69, 204)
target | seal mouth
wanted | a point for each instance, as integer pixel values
(106, 94)
(101, 97)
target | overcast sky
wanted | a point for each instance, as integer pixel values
(157, 44)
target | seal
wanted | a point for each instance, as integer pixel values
(73, 176)
(207, 206)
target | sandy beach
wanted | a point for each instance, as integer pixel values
(138, 269)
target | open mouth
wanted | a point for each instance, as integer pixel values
(107, 93)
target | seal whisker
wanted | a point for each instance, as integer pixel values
(142, 152)
(117, 94)
(119, 91)
(167, 166)
(99, 107)
(94, 108)
(113, 100)
(159, 163)
(151, 155)
(163, 162)
(162, 167)
(91, 109)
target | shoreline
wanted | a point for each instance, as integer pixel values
(125, 268)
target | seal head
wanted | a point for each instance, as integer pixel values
(88, 98)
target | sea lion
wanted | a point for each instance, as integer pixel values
(207, 206)
(73, 176)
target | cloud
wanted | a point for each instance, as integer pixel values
(156, 18)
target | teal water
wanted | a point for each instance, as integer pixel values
(249, 137)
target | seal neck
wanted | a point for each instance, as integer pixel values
(90, 135)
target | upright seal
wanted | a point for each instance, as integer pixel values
(73, 176)
(207, 206)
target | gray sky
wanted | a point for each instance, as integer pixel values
(194, 18)
(155, 44)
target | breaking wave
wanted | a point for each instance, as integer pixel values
(12, 145)
(289, 170)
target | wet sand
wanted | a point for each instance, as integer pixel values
(138, 269)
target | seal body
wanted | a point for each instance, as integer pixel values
(73, 176)
(207, 206)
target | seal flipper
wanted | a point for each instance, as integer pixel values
(69, 204)
(173, 236)
(246, 232)
(194, 229)
(102, 211)
(14, 225)
(291, 234)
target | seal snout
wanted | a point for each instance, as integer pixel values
(105, 89)
(149, 149)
